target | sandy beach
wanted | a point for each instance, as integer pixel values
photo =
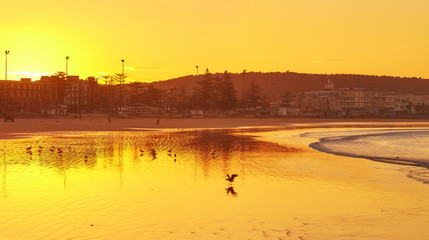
(119, 181)
(23, 127)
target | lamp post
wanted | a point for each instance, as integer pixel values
(5, 72)
(244, 89)
(120, 81)
(197, 69)
(67, 65)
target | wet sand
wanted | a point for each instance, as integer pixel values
(105, 187)
(23, 127)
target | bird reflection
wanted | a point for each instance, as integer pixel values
(153, 152)
(231, 191)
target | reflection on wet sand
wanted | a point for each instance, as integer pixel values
(205, 149)
(172, 185)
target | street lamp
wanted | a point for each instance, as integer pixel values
(244, 89)
(197, 69)
(67, 66)
(5, 72)
(120, 81)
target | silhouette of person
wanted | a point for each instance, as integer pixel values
(157, 121)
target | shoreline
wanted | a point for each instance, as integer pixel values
(23, 127)
(277, 187)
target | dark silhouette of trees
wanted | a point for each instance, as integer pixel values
(287, 100)
(215, 94)
(253, 96)
(118, 78)
(227, 93)
(205, 92)
(151, 96)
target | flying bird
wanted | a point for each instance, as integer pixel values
(231, 178)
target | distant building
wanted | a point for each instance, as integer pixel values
(350, 102)
(24, 96)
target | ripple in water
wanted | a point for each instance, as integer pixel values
(131, 185)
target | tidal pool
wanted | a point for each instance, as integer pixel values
(171, 185)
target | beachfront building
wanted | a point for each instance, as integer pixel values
(82, 95)
(24, 96)
(51, 95)
(359, 102)
(347, 102)
(407, 104)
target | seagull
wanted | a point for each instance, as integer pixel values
(170, 150)
(231, 178)
(28, 148)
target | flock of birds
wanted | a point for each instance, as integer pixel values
(52, 150)
(59, 151)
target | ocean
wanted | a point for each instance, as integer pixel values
(402, 146)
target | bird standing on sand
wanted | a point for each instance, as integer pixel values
(153, 152)
(231, 178)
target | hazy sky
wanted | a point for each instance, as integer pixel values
(162, 39)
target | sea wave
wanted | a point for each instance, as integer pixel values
(399, 146)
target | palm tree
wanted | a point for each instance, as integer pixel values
(120, 78)
(106, 79)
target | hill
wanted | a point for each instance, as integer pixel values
(275, 84)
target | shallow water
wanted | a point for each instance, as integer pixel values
(407, 145)
(112, 186)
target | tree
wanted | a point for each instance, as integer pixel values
(107, 79)
(151, 96)
(287, 100)
(60, 74)
(118, 78)
(253, 96)
(205, 92)
(227, 92)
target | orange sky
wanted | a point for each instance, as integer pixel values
(166, 39)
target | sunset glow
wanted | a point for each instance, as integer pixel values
(160, 40)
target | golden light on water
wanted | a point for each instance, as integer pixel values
(113, 186)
